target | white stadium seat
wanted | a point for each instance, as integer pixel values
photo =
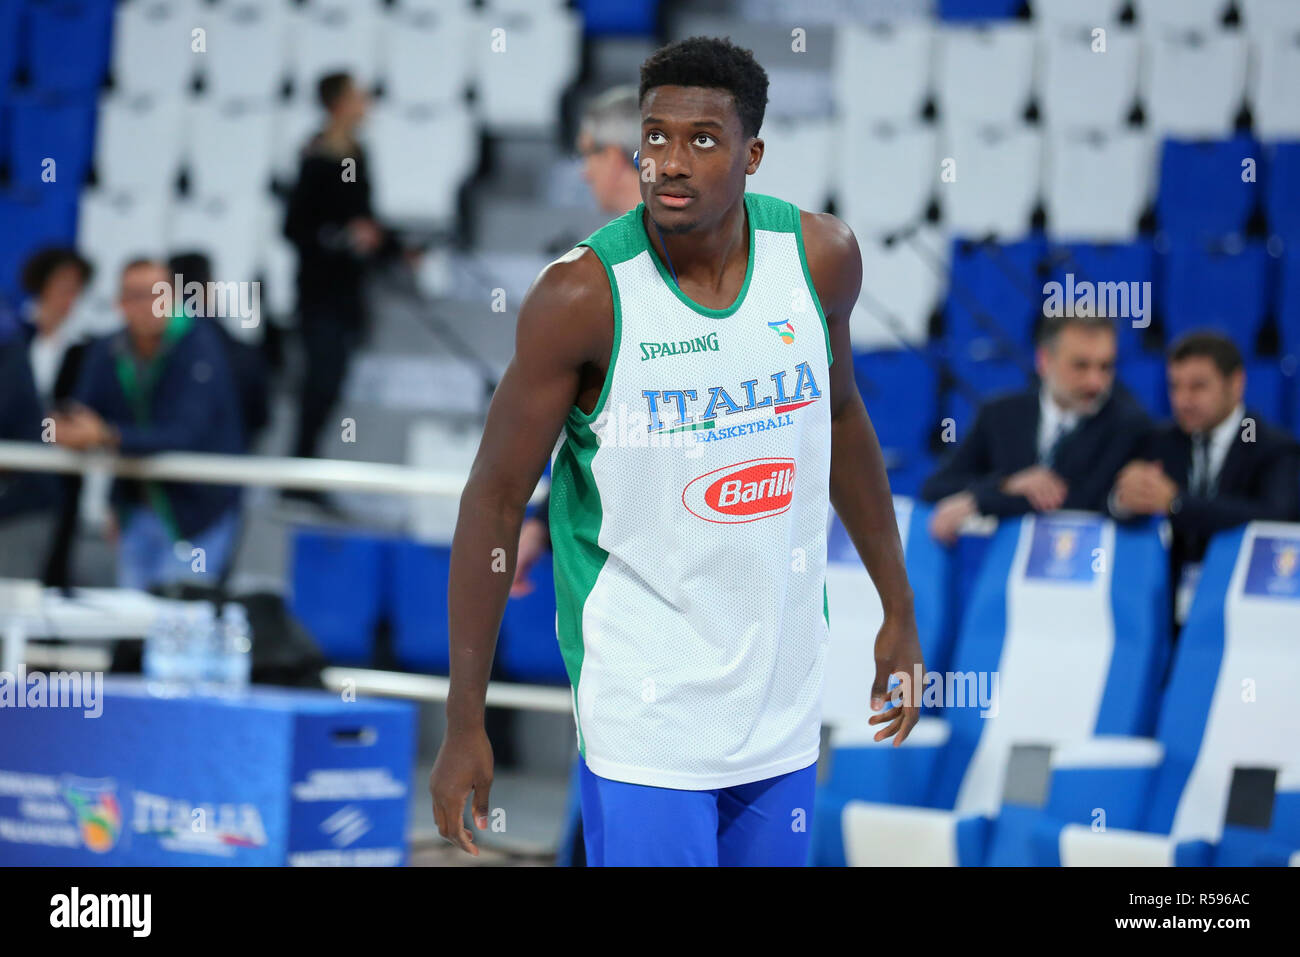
(152, 46)
(540, 44)
(1162, 15)
(899, 279)
(296, 120)
(796, 162)
(248, 49)
(997, 179)
(882, 72)
(419, 157)
(1266, 17)
(1194, 83)
(411, 73)
(1275, 84)
(984, 74)
(228, 233)
(326, 36)
(1090, 13)
(229, 146)
(1096, 184)
(885, 174)
(112, 229)
(1081, 87)
(125, 121)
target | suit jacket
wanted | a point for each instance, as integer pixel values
(1004, 440)
(1258, 480)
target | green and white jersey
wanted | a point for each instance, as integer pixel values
(688, 520)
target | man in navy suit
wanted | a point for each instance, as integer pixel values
(1058, 444)
(1218, 464)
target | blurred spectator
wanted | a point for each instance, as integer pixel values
(1055, 445)
(330, 222)
(608, 134)
(1217, 465)
(161, 384)
(29, 501)
(247, 364)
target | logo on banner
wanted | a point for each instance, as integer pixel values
(744, 492)
(1063, 551)
(1274, 570)
(97, 810)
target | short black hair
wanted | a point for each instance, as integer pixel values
(44, 263)
(1204, 343)
(711, 62)
(331, 87)
(1050, 327)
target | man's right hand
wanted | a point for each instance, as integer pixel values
(950, 515)
(464, 764)
(1045, 489)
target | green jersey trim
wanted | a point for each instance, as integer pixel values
(812, 290)
(751, 213)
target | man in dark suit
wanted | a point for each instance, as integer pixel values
(1058, 444)
(1218, 465)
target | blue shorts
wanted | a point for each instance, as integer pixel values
(761, 824)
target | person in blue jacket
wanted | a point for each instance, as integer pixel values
(161, 384)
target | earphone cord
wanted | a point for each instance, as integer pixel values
(667, 258)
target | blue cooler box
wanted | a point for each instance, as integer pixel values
(278, 776)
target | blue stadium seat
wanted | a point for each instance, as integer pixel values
(1144, 376)
(962, 10)
(1282, 191)
(1075, 654)
(529, 651)
(994, 297)
(1268, 390)
(11, 13)
(1096, 264)
(1232, 704)
(1218, 285)
(417, 603)
(987, 377)
(51, 127)
(902, 427)
(338, 590)
(619, 17)
(1288, 300)
(31, 220)
(68, 43)
(1201, 191)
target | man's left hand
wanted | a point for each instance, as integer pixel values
(898, 650)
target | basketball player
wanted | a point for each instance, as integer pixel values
(695, 352)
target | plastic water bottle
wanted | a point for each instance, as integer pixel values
(165, 654)
(201, 645)
(236, 651)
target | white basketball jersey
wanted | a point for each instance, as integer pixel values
(688, 520)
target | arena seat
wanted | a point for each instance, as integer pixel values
(996, 186)
(1266, 391)
(32, 219)
(1075, 13)
(1144, 377)
(228, 146)
(899, 282)
(882, 376)
(1282, 191)
(529, 651)
(151, 48)
(797, 162)
(1169, 15)
(409, 74)
(881, 71)
(541, 44)
(984, 75)
(248, 51)
(1231, 710)
(961, 10)
(884, 173)
(1274, 78)
(1096, 184)
(417, 606)
(1080, 87)
(1201, 191)
(1265, 17)
(1073, 656)
(10, 49)
(67, 44)
(50, 126)
(125, 121)
(420, 155)
(339, 591)
(225, 228)
(1194, 83)
(1223, 285)
(619, 17)
(1288, 305)
(330, 35)
(1100, 263)
(994, 298)
(114, 227)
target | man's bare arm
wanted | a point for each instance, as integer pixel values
(559, 331)
(859, 485)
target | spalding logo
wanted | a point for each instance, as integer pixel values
(744, 492)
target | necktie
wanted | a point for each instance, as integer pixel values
(1200, 478)
(1054, 444)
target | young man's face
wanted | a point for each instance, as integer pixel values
(701, 156)
(1200, 395)
(1079, 368)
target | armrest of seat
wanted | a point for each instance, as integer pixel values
(1104, 781)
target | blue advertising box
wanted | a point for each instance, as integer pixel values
(273, 777)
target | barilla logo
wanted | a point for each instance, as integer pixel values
(744, 492)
